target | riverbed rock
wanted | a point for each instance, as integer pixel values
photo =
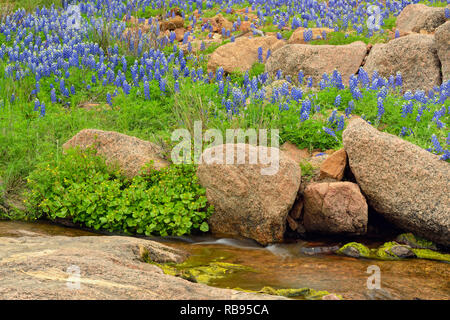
(241, 54)
(315, 60)
(249, 201)
(334, 166)
(418, 17)
(110, 267)
(406, 184)
(130, 153)
(335, 208)
(442, 38)
(414, 55)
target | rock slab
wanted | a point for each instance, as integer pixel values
(110, 267)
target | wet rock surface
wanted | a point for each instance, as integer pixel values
(109, 267)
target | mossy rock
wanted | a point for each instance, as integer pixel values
(415, 242)
(304, 293)
(355, 250)
(205, 273)
(393, 251)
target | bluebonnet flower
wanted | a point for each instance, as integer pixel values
(36, 105)
(398, 79)
(162, 85)
(278, 74)
(53, 95)
(437, 148)
(260, 54)
(109, 99)
(350, 108)
(177, 86)
(340, 123)
(380, 106)
(126, 87)
(407, 108)
(147, 90)
(445, 156)
(300, 77)
(42, 114)
(337, 101)
(330, 132)
(406, 132)
(307, 35)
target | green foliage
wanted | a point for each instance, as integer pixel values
(307, 170)
(83, 188)
(341, 38)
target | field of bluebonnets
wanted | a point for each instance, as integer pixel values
(148, 85)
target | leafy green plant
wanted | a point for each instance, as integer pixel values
(83, 188)
(307, 170)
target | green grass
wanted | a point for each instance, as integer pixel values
(342, 38)
(30, 5)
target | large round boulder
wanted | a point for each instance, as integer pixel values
(249, 201)
(241, 54)
(315, 60)
(130, 153)
(406, 184)
(418, 17)
(414, 56)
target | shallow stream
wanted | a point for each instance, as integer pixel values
(289, 265)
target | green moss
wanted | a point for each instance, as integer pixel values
(384, 252)
(306, 293)
(431, 255)
(415, 241)
(202, 273)
(350, 247)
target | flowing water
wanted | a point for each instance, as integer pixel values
(289, 265)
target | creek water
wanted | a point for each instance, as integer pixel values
(289, 265)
